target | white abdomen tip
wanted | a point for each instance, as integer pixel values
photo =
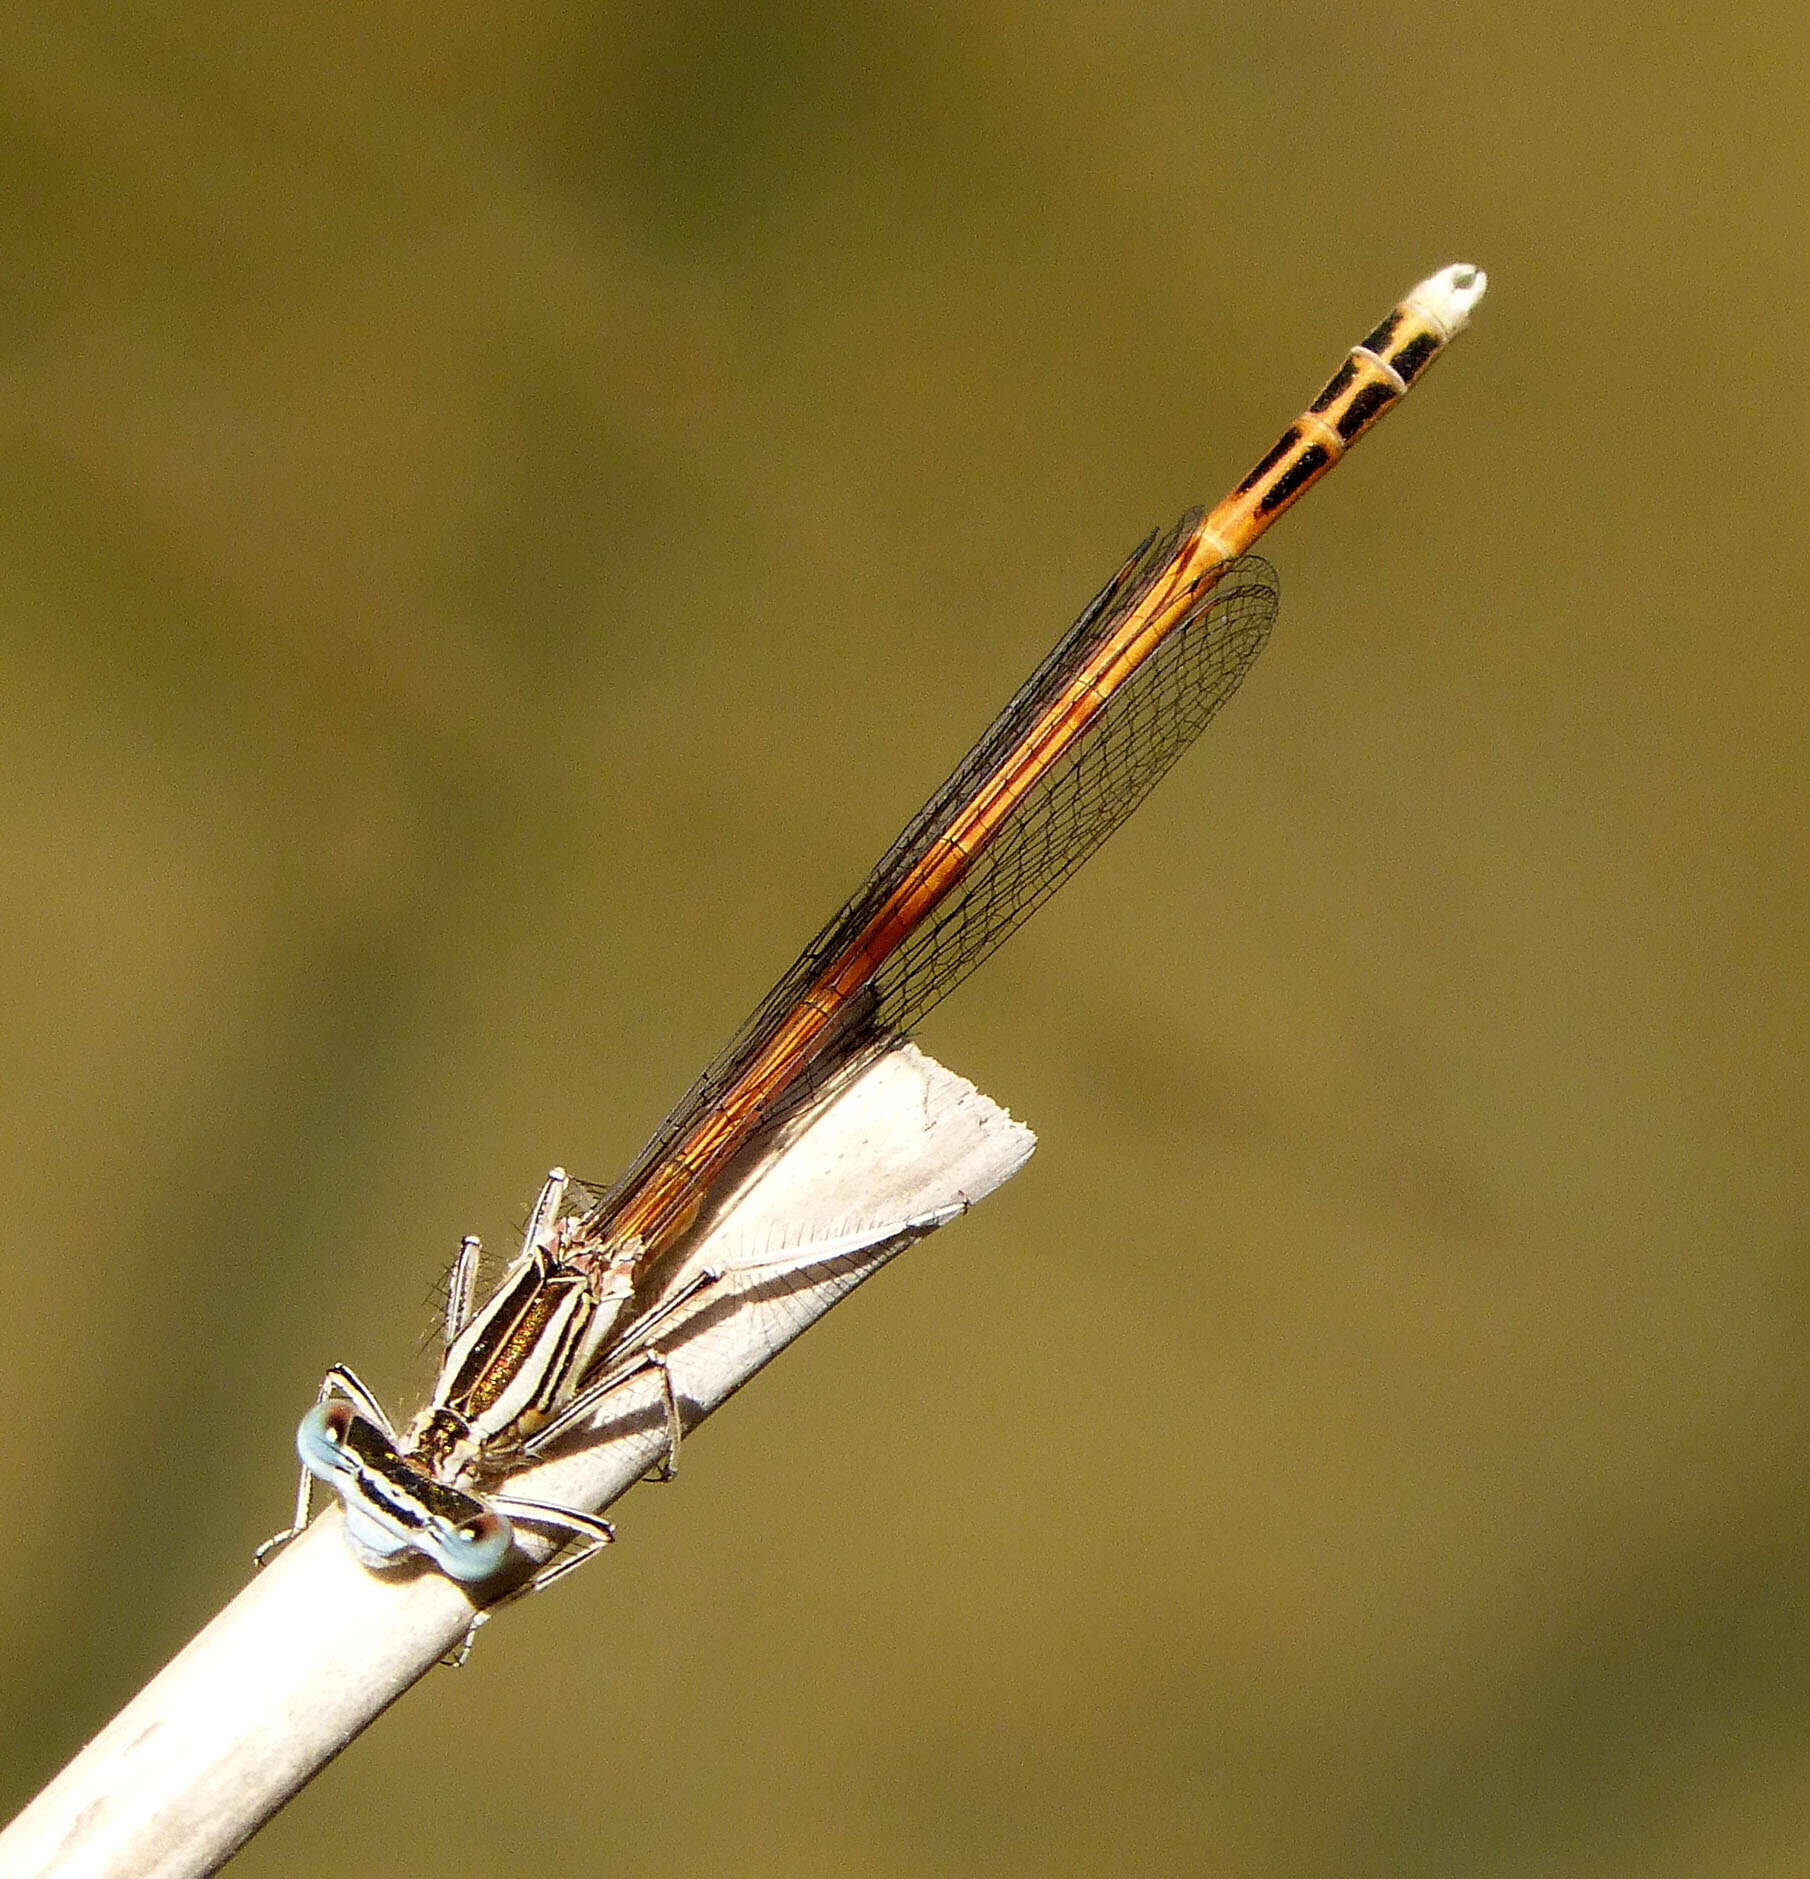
(1449, 297)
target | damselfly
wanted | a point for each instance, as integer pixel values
(1127, 689)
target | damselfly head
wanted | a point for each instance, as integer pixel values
(393, 1507)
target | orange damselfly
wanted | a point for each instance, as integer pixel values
(1126, 690)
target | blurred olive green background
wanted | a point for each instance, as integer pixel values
(507, 509)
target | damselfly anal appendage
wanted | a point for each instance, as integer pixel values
(581, 1308)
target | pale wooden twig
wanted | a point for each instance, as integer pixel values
(317, 1646)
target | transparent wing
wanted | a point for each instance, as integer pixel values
(1143, 728)
(1146, 725)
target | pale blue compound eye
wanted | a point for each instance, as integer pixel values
(321, 1440)
(471, 1549)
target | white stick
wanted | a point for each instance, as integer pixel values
(317, 1646)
